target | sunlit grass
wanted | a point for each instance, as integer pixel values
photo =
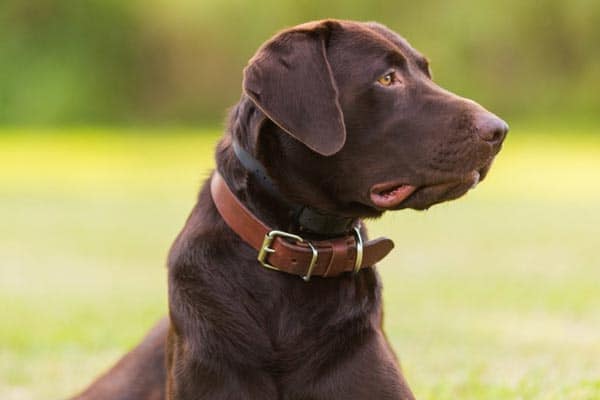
(495, 296)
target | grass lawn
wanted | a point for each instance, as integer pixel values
(495, 296)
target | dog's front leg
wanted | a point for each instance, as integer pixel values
(191, 376)
(368, 372)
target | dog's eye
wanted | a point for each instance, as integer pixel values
(387, 79)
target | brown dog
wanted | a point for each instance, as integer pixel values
(343, 119)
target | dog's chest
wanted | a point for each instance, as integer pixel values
(323, 317)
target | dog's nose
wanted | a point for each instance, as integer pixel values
(491, 129)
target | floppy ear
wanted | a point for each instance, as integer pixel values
(290, 80)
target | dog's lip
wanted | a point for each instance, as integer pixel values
(394, 195)
(390, 194)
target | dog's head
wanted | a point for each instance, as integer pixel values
(354, 124)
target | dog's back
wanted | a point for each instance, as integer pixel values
(139, 375)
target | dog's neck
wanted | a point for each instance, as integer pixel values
(250, 182)
(248, 191)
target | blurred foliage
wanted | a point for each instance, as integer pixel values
(180, 61)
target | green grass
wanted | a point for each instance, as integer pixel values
(495, 296)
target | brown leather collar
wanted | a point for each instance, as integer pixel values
(290, 253)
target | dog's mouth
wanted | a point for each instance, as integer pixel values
(395, 195)
(388, 195)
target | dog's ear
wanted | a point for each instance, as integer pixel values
(290, 80)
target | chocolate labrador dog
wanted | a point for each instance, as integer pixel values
(273, 292)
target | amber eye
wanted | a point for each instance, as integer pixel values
(387, 79)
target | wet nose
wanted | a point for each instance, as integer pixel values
(491, 129)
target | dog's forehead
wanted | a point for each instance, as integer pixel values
(395, 38)
(377, 36)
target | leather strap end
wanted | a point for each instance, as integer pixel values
(378, 249)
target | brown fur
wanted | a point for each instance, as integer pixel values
(315, 116)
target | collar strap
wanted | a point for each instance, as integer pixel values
(293, 254)
(306, 218)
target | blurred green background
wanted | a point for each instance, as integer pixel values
(179, 61)
(109, 112)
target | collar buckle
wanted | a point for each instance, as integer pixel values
(265, 250)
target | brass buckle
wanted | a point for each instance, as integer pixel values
(359, 249)
(265, 250)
